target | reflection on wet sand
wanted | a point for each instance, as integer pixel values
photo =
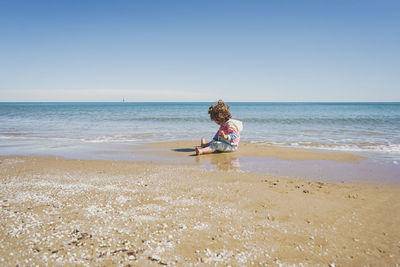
(223, 161)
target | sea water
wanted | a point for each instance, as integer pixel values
(372, 129)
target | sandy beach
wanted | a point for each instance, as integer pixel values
(105, 213)
(104, 105)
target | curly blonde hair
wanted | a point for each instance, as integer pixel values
(219, 112)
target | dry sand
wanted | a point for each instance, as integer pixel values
(102, 213)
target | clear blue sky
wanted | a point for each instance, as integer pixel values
(199, 50)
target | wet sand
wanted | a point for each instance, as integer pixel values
(315, 165)
(105, 213)
(267, 151)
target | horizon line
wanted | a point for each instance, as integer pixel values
(199, 101)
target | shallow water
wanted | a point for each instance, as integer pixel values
(371, 129)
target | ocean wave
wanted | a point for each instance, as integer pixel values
(361, 147)
(334, 145)
(112, 139)
(322, 121)
(286, 121)
(99, 139)
(160, 119)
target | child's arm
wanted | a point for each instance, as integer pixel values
(224, 135)
(231, 135)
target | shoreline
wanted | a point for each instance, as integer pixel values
(267, 151)
(102, 212)
(315, 165)
(310, 164)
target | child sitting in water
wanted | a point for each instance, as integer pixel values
(227, 137)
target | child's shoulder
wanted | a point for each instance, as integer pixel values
(236, 123)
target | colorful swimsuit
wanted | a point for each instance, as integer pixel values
(232, 129)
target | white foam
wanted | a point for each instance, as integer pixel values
(98, 139)
(381, 148)
(392, 149)
(109, 139)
